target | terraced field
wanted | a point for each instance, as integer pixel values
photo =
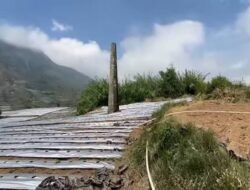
(32, 150)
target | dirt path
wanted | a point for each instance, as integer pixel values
(231, 129)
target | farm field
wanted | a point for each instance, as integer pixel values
(34, 149)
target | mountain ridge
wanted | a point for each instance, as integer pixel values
(29, 78)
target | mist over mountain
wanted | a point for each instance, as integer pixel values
(29, 78)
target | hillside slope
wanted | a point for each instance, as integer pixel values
(28, 78)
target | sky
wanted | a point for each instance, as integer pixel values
(211, 36)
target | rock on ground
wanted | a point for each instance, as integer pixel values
(104, 179)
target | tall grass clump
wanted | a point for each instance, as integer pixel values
(220, 83)
(194, 83)
(167, 84)
(95, 95)
(139, 89)
(184, 157)
(171, 84)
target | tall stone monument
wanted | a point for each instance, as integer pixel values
(113, 105)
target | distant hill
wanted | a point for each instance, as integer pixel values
(29, 78)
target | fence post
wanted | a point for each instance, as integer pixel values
(113, 105)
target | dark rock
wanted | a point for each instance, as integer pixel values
(52, 183)
(104, 179)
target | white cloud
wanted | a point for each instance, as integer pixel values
(230, 49)
(185, 44)
(87, 58)
(188, 45)
(168, 44)
(57, 26)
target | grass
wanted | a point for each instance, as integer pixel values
(184, 157)
(219, 82)
(168, 84)
(95, 95)
(140, 88)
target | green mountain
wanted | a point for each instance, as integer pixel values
(28, 78)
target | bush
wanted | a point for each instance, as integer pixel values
(95, 95)
(171, 84)
(141, 88)
(220, 83)
(194, 83)
(168, 84)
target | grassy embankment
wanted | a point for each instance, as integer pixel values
(182, 156)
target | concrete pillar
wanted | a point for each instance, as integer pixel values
(113, 105)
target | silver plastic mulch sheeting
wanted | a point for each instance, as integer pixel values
(91, 141)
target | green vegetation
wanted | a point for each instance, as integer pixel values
(184, 157)
(137, 90)
(140, 88)
(95, 95)
(194, 83)
(171, 84)
(220, 83)
(168, 84)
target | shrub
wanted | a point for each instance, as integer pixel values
(194, 83)
(95, 95)
(141, 88)
(171, 84)
(220, 82)
(168, 84)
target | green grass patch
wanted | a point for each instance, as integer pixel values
(167, 84)
(95, 95)
(184, 157)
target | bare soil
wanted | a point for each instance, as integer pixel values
(231, 129)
